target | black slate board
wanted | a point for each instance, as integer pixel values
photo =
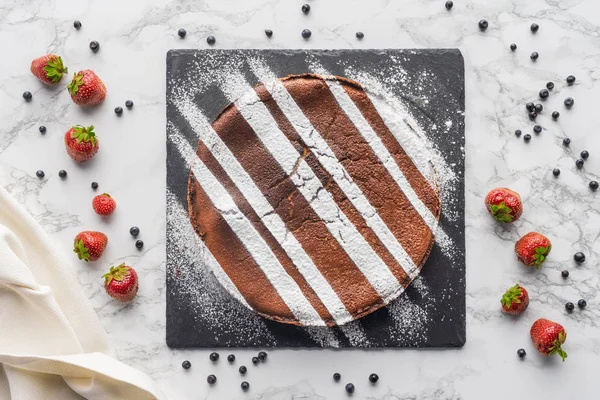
(200, 313)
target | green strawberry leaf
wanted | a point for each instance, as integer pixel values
(81, 133)
(501, 212)
(73, 86)
(512, 295)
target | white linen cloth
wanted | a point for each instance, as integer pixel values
(52, 345)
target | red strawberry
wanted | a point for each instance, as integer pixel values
(86, 88)
(90, 245)
(515, 300)
(48, 69)
(121, 283)
(81, 142)
(504, 204)
(104, 204)
(532, 249)
(548, 337)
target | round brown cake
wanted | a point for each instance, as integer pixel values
(305, 197)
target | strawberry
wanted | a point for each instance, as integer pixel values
(548, 337)
(81, 142)
(532, 249)
(515, 300)
(104, 204)
(86, 89)
(121, 283)
(90, 245)
(48, 69)
(504, 204)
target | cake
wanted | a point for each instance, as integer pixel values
(309, 203)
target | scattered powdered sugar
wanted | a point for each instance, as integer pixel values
(189, 264)
(411, 316)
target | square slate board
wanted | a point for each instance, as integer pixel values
(431, 313)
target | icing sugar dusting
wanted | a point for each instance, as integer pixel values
(189, 262)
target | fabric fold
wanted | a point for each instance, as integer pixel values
(52, 345)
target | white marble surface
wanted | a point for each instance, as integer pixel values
(134, 38)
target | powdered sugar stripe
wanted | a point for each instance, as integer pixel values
(260, 251)
(401, 124)
(207, 257)
(353, 243)
(388, 161)
(409, 134)
(265, 211)
(327, 158)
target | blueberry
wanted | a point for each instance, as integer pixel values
(231, 358)
(518, 133)
(186, 364)
(268, 32)
(579, 257)
(94, 46)
(119, 110)
(513, 46)
(555, 114)
(570, 79)
(373, 378)
(211, 379)
(245, 385)
(579, 163)
(128, 103)
(537, 129)
(566, 141)
(565, 274)
(94, 185)
(534, 27)
(134, 231)
(337, 376)
(544, 93)
(42, 129)
(532, 115)
(449, 5)
(594, 185)
(569, 306)
(182, 32)
(211, 40)
(350, 388)
(534, 56)
(214, 357)
(585, 154)
(255, 360)
(556, 172)
(550, 85)
(306, 33)
(77, 24)
(27, 95)
(62, 174)
(139, 244)
(360, 35)
(582, 303)
(306, 8)
(530, 106)
(243, 369)
(262, 356)
(527, 137)
(539, 108)
(483, 25)
(569, 102)
(521, 353)
(40, 174)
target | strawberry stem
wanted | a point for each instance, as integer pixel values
(55, 69)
